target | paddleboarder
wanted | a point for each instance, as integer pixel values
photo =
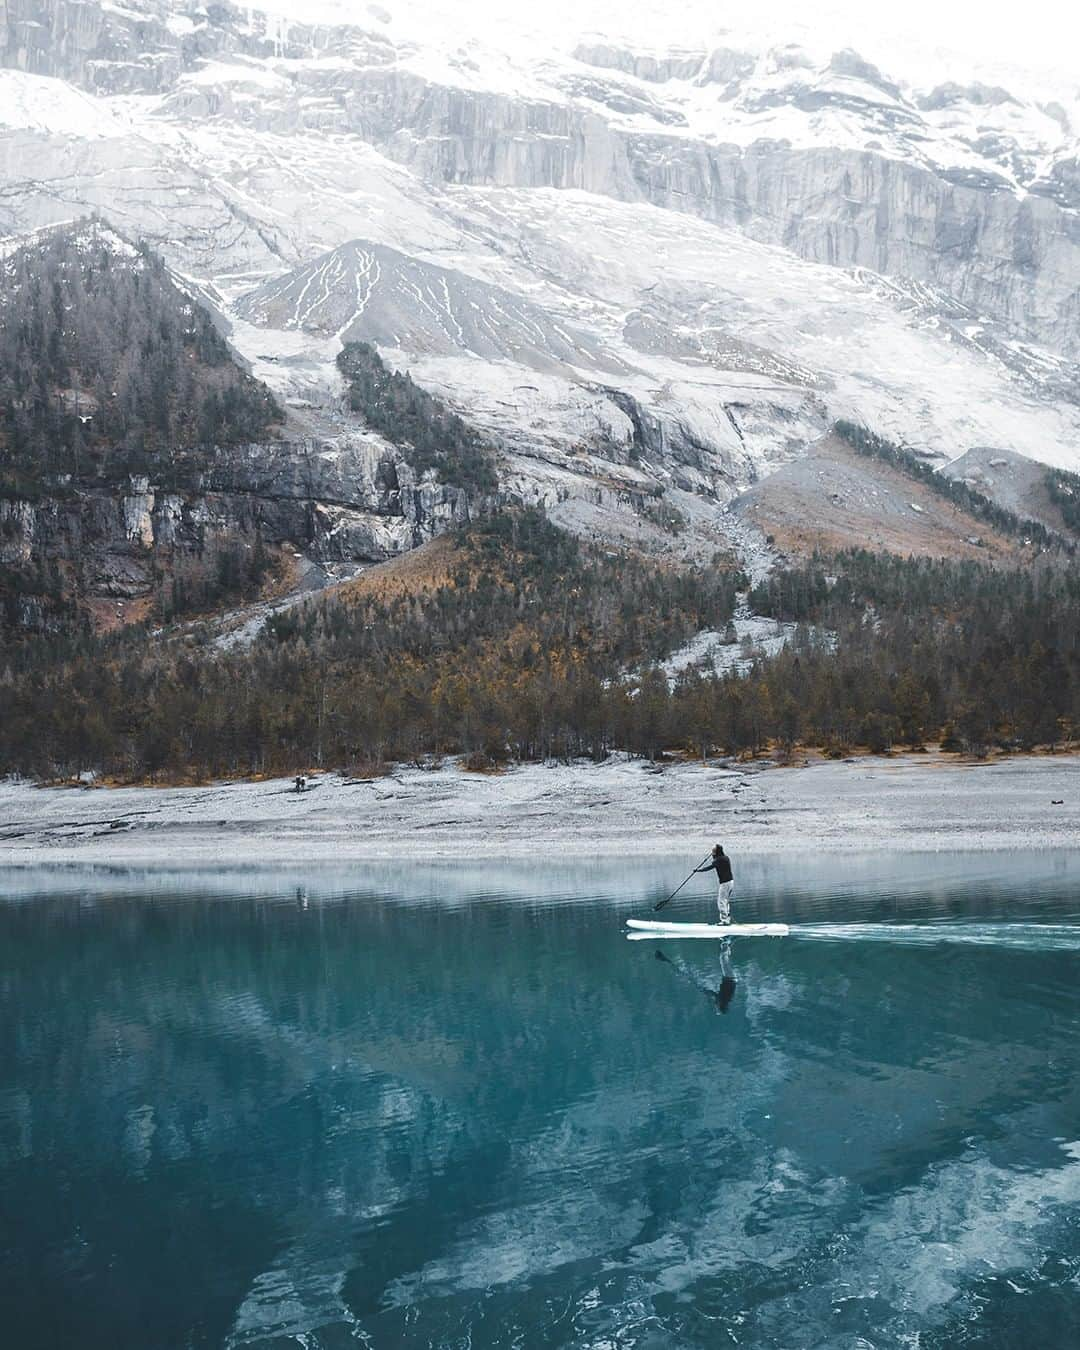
(720, 863)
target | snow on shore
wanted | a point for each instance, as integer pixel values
(621, 808)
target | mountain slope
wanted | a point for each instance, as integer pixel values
(1021, 485)
(967, 186)
(369, 292)
(834, 496)
(108, 367)
(647, 275)
(144, 472)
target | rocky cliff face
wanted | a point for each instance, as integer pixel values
(1015, 259)
(101, 48)
(343, 500)
(965, 229)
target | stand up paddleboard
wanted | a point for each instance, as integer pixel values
(657, 928)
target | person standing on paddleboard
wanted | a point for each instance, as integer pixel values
(720, 863)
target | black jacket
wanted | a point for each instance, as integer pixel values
(722, 866)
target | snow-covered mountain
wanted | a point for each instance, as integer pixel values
(635, 266)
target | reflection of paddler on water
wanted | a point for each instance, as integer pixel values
(722, 995)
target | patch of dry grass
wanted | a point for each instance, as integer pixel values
(421, 569)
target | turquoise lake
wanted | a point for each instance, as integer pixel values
(427, 1106)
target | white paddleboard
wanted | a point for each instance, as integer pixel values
(658, 928)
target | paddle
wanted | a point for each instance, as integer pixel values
(681, 884)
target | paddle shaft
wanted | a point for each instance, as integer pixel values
(681, 884)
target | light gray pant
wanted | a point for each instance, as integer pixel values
(723, 900)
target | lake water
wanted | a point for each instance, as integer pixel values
(416, 1106)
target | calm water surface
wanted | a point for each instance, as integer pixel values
(413, 1106)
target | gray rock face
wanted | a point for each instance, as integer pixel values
(135, 49)
(654, 69)
(1014, 258)
(475, 137)
(353, 478)
(114, 50)
(352, 499)
(1018, 260)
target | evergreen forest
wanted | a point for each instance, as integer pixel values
(431, 436)
(108, 368)
(1064, 491)
(533, 644)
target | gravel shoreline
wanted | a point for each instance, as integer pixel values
(622, 807)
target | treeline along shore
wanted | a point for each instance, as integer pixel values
(529, 644)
